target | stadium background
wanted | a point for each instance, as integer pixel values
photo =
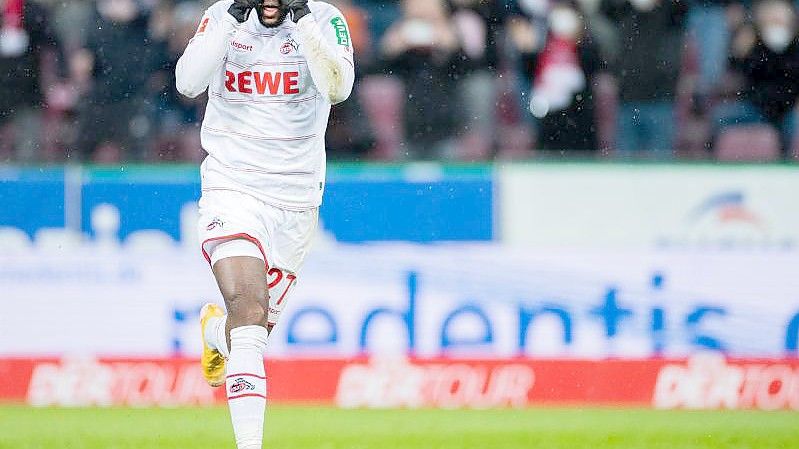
(483, 244)
(509, 285)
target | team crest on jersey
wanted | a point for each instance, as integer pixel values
(215, 223)
(288, 46)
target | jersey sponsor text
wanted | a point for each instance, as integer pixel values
(262, 83)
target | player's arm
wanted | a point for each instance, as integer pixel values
(327, 48)
(207, 49)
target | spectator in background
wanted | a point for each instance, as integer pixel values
(30, 62)
(603, 32)
(767, 57)
(652, 42)
(380, 14)
(70, 20)
(423, 49)
(121, 59)
(561, 74)
(479, 24)
(177, 117)
(708, 25)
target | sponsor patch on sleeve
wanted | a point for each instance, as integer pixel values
(203, 26)
(342, 34)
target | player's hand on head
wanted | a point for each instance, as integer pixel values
(297, 8)
(240, 9)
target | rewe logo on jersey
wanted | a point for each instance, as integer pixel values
(262, 83)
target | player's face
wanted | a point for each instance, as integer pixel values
(271, 14)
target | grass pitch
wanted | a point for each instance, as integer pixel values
(329, 428)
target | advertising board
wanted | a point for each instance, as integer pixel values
(648, 206)
(484, 300)
(413, 202)
(703, 382)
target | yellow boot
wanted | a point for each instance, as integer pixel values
(212, 361)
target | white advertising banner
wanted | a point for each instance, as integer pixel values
(649, 206)
(481, 300)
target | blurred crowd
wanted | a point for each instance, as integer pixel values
(463, 80)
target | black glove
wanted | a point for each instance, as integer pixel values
(297, 8)
(240, 9)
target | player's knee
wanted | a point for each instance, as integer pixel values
(246, 304)
(247, 312)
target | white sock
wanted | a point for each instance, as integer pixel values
(246, 385)
(215, 335)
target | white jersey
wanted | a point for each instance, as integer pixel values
(269, 97)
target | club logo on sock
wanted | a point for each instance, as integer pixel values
(240, 385)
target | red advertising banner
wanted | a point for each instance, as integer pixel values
(702, 382)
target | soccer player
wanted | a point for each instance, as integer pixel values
(272, 69)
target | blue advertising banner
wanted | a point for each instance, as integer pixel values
(416, 203)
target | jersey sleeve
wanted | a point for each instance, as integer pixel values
(336, 31)
(326, 44)
(206, 50)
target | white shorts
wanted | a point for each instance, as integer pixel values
(237, 224)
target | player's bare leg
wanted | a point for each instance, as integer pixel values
(242, 281)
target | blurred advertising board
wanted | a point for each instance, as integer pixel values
(523, 205)
(702, 382)
(413, 202)
(648, 206)
(431, 300)
(428, 286)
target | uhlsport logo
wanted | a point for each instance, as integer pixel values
(240, 46)
(240, 385)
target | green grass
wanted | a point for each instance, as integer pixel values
(329, 428)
